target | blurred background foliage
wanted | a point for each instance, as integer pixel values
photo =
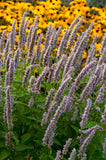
(93, 3)
(97, 3)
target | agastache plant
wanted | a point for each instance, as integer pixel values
(73, 24)
(6, 49)
(86, 113)
(104, 146)
(92, 51)
(31, 46)
(16, 57)
(26, 76)
(2, 41)
(7, 62)
(50, 132)
(24, 32)
(0, 92)
(49, 97)
(38, 52)
(88, 131)
(40, 79)
(84, 145)
(72, 155)
(103, 43)
(103, 120)
(59, 67)
(12, 69)
(29, 36)
(47, 116)
(51, 73)
(100, 94)
(73, 34)
(21, 31)
(48, 35)
(44, 90)
(75, 113)
(12, 37)
(58, 155)
(61, 89)
(66, 146)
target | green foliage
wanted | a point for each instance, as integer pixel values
(97, 3)
(66, 2)
(93, 3)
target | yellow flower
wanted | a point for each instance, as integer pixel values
(2, 4)
(72, 3)
(97, 55)
(3, 27)
(39, 31)
(55, 49)
(98, 45)
(2, 58)
(36, 70)
(42, 46)
(16, 38)
(84, 63)
(10, 2)
(35, 47)
(84, 55)
(1, 70)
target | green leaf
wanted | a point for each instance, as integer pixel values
(16, 139)
(91, 124)
(20, 103)
(57, 142)
(4, 154)
(25, 137)
(43, 156)
(51, 157)
(19, 157)
(75, 128)
(38, 142)
(23, 147)
(31, 118)
(104, 156)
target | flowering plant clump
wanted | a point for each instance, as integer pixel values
(49, 97)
